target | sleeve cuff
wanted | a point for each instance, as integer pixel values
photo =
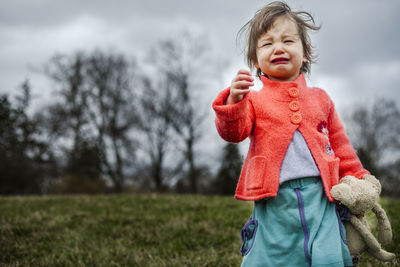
(229, 112)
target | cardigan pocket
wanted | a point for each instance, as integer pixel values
(255, 173)
(334, 171)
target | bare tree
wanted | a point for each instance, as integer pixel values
(156, 104)
(378, 129)
(69, 128)
(94, 115)
(375, 133)
(112, 112)
(67, 117)
(182, 59)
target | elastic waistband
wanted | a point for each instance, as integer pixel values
(301, 182)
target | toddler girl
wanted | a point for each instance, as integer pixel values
(298, 147)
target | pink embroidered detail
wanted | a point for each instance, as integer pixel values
(323, 128)
(329, 149)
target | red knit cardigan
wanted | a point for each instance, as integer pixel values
(269, 118)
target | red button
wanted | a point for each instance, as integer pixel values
(294, 105)
(293, 92)
(296, 118)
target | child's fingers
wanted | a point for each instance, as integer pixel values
(244, 71)
(237, 95)
(241, 91)
(241, 84)
(240, 77)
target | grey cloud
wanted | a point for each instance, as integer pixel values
(357, 32)
(353, 33)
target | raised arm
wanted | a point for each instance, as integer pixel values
(233, 109)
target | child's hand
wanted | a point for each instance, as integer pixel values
(240, 86)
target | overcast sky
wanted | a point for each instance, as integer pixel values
(357, 46)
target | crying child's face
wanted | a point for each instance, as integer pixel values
(280, 51)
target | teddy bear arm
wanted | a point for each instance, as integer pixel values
(384, 228)
(373, 247)
(382, 255)
(365, 233)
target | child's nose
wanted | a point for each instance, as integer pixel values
(278, 49)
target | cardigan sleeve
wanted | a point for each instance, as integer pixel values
(349, 164)
(234, 122)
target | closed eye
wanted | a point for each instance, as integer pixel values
(288, 41)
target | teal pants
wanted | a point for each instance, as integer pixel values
(299, 227)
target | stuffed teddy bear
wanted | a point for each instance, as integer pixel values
(361, 196)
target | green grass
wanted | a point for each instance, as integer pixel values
(132, 230)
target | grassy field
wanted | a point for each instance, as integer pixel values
(133, 230)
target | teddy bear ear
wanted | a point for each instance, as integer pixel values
(342, 192)
(375, 182)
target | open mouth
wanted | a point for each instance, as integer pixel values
(280, 60)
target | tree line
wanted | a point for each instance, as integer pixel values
(113, 125)
(118, 125)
